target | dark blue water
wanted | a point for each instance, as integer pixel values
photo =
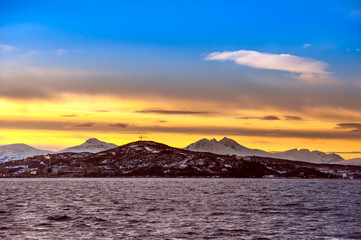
(179, 209)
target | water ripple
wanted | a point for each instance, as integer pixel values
(154, 208)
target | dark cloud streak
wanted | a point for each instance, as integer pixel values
(353, 127)
(270, 118)
(173, 112)
(220, 131)
(82, 125)
(119, 125)
(293, 118)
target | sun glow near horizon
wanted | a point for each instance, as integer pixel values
(74, 118)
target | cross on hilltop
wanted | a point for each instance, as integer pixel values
(141, 137)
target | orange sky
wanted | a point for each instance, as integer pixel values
(72, 119)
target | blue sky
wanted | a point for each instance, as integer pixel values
(277, 26)
(174, 37)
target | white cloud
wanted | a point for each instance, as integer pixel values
(306, 45)
(7, 48)
(60, 51)
(305, 69)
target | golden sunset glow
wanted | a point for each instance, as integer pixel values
(71, 119)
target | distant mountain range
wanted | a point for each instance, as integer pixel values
(228, 146)
(151, 159)
(21, 151)
(354, 161)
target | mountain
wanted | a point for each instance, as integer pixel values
(19, 151)
(228, 146)
(91, 145)
(151, 159)
(306, 155)
(354, 161)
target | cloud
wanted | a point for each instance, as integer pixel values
(353, 127)
(357, 49)
(246, 118)
(270, 118)
(306, 45)
(119, 125)
(60, 51)
(305, 69)
(272, 133)
(317, 78)
(261, 118)
(82, 125)
(7, 48)
(293, 118)
(199, 130)
(54, 84)
(173, 112)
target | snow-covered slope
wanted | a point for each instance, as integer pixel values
(354, 161)
(225, 146)
(228, 146)
(91, 145)
(19, 151)
(306, 155)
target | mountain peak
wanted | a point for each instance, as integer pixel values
(226, 146)
(91, 145)
(93, 141)
(227, 141)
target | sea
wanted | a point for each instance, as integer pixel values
(179, 208)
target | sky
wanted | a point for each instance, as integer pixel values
(273, 75)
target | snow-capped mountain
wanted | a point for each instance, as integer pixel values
(306, 155)
(354, 161)
(152, 159)
(225, 146)
(19, 151)
(228, 146)
(91, 145)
